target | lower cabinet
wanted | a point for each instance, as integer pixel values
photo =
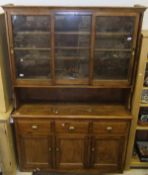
(72, 151)
(71, 145)
(107, 152)
(35, 151)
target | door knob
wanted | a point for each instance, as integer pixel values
(109, 128)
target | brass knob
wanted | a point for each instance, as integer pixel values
(57, 149)
(34, 126)
(89, 109)
(49, 149)
(109, 128)
(56, 111)
(71, 128)
(93, 149)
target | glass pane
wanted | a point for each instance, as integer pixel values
(72, 53)
(32, 41)
(31, 31)
(30, 23)
(32, 64)
(111, 65)
(73, 21)
(113, 42)
(31, 35)
(72, 40)
(72, 45)
(72, 68)
(115, 24)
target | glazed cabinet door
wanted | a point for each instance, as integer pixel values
(107, 153)
(72, 47)
(71, 151)
(30, 46)
(115, 38)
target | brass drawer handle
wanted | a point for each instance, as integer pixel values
(109, 128)
(49, 149)
(34, 126)
(71, 128)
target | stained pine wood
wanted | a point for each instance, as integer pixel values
(72, 111)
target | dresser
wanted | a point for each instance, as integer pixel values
(73, 72)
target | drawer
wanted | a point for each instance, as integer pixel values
(33, 126)
(71, 126)
(110, 126)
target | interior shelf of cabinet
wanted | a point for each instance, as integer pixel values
(137, 163)
(75, 48)
(72, 33)
(32, 33)
(115, 50)
(33, 83)
(113, 33)
(142, 127)
(70, 58)
(31, 48)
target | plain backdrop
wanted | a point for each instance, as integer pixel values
(81, 3)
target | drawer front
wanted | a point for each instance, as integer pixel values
(71, 126)
(110, 126)
(33, 126)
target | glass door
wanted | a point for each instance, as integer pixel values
(72, 47)
(31, 42)
(114, 44)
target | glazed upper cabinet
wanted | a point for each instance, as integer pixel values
(72, 46)
(32, 46)
(114, 45)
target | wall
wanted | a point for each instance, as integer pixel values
(82, 3)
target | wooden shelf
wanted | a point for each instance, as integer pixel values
(113, 33)
(72, 33)
(143, 104)
(31, 48)
(137, 164)
(68, 110)
(71, 58)
(115, 50)
(145, 88)
(73, 48)
(140, 127)
(32, 33)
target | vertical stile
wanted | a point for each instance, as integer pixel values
(52, 49)
(93, 34)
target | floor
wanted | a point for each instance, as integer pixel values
(129, 172)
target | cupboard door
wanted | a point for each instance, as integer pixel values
(71, 151)
(72, 44)
(31, 45)
(35, 152)
(114, 47)
(107, 152)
